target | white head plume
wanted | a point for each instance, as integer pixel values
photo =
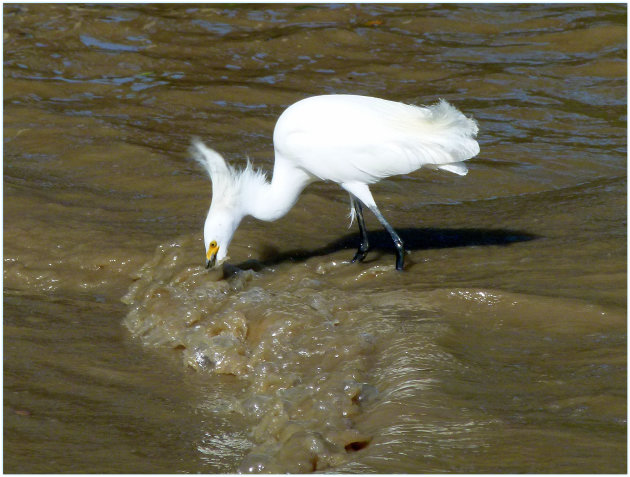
(228, 183)
(230, 188)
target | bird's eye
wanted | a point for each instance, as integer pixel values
(213, 244)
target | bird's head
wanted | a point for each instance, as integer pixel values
(218, 231)
(226, 209)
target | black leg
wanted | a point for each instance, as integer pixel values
(398, 243)
(364, 247)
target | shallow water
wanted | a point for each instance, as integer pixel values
(501, 348)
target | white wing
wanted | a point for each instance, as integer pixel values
(347, 138)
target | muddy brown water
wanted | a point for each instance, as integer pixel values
(501, 348)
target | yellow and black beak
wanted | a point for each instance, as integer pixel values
(211, 254)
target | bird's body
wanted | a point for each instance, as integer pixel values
(352, 140)
(346, 138)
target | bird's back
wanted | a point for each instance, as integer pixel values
(348, 138)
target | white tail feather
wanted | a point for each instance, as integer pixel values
(458, 168)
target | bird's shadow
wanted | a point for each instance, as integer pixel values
(413, 238)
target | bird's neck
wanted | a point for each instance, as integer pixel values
(270, 201)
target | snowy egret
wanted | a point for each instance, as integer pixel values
(352, 140)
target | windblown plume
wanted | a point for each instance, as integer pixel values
(228, 183)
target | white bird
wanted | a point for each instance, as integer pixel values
(352, 140)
